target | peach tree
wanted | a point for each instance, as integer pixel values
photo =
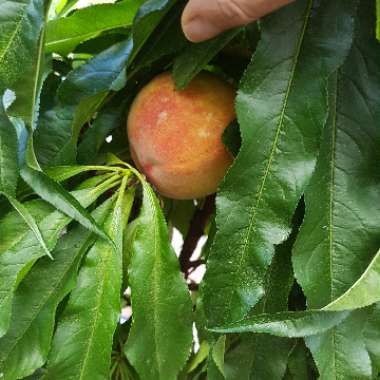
(91, 287)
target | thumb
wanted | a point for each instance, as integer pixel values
(204, 19)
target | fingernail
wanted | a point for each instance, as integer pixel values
(197, 29)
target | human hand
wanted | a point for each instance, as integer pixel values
(204, 19)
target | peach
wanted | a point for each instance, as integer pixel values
(175, 136)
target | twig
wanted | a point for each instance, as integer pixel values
(193, 286)
(196, 230)
(194, 264)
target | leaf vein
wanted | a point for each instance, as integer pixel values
(254, 208)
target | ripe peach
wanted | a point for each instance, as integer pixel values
(175, 136)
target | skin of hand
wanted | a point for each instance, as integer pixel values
(204, 19)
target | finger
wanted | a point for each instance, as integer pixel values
(204, 19)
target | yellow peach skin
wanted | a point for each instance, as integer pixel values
(175, 136)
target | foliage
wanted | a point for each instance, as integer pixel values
(292, 283)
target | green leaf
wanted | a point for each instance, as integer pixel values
(344, 185)
(80, 95)
(262, 356)
(64, 34)
(98, 44)
(21, 58)
(191, 62)
(54, 193)
(340, 353)
(198, 358)
(147, 19)
(97, 180)
(65, 7)
(29, 220)
(161, 334)
(281, 109)
(215, 365)
(20, 256)
(181, 214)
(378, 19)
(157, 46)
(298, 363)
(53, 139)
(96, 77)
(231, 138)
(291, 324)
(9, 170)
(52, 129)
(86, 88)
(270, 357)
(110, 118)
(13, 221)
(364, 292)
(270, 353)
(347, 218)
(25, 346)
(62, 173)
(239, 359)
(82, 343)
(372, 338)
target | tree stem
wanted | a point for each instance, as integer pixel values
(196, 231)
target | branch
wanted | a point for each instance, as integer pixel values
(196, 230)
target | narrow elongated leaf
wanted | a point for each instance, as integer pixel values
(341, 354)
(109, 118)
(19, 257)
(54, 193)
(83, 91)
(8, 154)
(270, 357)
(364, 292)
(372, 338)
(98, 180)
(239, 359)
(287, 324)
(148, 17)
(25, 346)
(378, 19)
(215, 365)
(97, 76)
(86, 87)
(346, 189)
(82, 343)
(51, 133)
(197, 56)
(64, 34)
(101, 43)
(262, 356)
(161, 334)
(281, 109)
(258, 356)
(62, 173)
(298, 368)
(53, 139)
(13, 221)
(270, 353)
(29, 220)
(341, 230)
(21, 58)
(157, 46)
(65, 7)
